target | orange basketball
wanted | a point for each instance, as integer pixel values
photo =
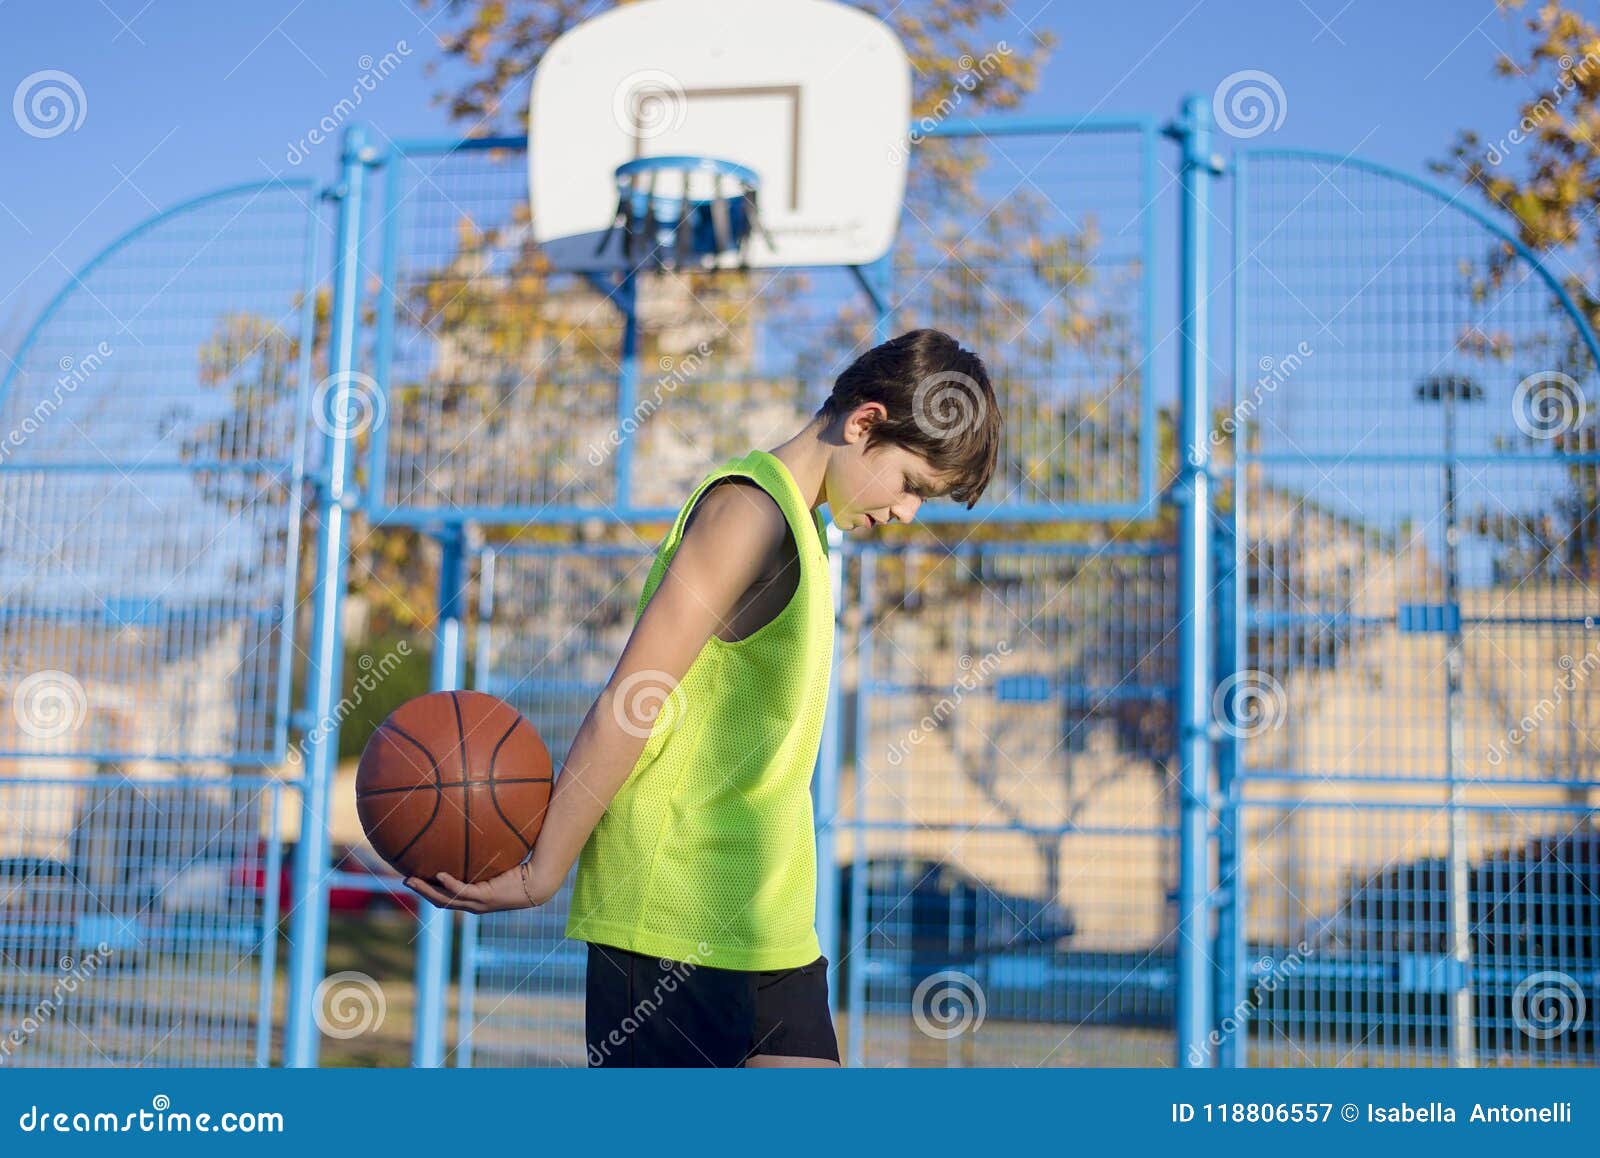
(454, 781)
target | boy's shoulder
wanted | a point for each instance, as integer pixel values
(738, 514)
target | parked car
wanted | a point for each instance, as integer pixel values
(925, 916)
(1382, 963)
(342, 898)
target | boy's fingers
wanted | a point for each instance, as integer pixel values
(459, 889)
(428, 892)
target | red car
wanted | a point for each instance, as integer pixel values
(343, 897)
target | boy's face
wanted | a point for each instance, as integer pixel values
(868, 487)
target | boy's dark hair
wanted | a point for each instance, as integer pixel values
(941, 406)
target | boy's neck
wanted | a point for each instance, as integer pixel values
(806, 456)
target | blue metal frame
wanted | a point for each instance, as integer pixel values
(1150, 131)
(1195, 683)
(433, 936)
(294, 467)
(1237, 967)
(326, 662)
(1208, 812)
(874, 280)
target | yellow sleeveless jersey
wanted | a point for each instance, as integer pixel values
(707, 852)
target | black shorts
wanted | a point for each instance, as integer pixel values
(646, 1011)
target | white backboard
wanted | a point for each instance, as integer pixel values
(815, 96)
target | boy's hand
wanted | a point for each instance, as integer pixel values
(512, 889)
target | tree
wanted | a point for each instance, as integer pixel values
(1545, 174)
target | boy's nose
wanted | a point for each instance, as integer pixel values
(906, 510)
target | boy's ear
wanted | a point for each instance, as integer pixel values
(863, 418)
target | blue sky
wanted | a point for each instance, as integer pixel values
(182, 96)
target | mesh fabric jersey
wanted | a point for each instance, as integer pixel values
(707, 852)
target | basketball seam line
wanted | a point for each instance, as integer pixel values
(466, 797)
(494, 798)
(438, 794)
(452, 784)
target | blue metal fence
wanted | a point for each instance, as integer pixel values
(155, 421)
(1410, 756)
(138, 920)
(1366, 592)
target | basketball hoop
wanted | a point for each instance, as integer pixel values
(678, 211)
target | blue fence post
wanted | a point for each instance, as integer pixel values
(830, 761)
(1193, 492)
(433, 937)
(1231, 983)
(627, 300)
(325, 666)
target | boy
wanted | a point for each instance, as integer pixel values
(687, 787)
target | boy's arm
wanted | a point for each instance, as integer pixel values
(733, 536)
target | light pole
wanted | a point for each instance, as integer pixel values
(1449, 390)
